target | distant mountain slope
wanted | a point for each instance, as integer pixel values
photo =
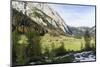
(43, 15)
(93, 31)
(79, 31)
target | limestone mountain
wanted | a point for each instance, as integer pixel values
(41, 15)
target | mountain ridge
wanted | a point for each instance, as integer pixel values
(52, 18)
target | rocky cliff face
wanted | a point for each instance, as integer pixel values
(43, 15)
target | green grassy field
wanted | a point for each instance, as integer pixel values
(70, 43)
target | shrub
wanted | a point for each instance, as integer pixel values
(61, 50)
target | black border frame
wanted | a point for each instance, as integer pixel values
(11, 65)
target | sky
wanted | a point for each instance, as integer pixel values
(76, 15)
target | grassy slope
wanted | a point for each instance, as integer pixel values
(70, 43)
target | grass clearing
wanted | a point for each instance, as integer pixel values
(70, 43)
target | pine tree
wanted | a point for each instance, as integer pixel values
(87, 39)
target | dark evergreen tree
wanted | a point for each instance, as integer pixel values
(87, 39)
